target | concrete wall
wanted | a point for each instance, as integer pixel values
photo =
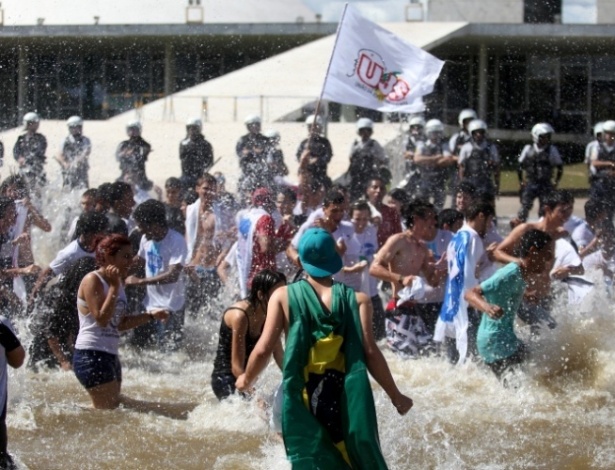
(605, 11)
(472, 11)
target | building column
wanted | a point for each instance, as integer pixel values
(482, 81)
(169, 69)
(22, 86)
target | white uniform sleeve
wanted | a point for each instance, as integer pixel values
(524, 153)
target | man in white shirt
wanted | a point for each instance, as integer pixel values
(163, 253)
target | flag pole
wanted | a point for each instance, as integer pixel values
(322, 90)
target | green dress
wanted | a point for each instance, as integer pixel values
(328, 418)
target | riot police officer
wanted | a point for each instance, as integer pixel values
(196, 154)
(73, 155)
(416, 134)
(602, 161)
(132, 155)
(320, 150)
(434, 159)
(367, 158)
(251, 151)
(537, 162)
(479, 160)
(29, 152)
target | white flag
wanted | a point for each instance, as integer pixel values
(373, 68)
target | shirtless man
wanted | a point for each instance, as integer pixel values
(203, 249)
(401, 261)
(557, 207)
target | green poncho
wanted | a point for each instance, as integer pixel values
(329, 418)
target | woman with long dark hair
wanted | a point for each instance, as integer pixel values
(241, 327)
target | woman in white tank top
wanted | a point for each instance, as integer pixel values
(101, 303)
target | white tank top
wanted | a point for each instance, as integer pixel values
(91, 334)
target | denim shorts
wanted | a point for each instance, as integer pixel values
(94, 368)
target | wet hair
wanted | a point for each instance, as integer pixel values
(151, 212)
(15, 180)
(103, 194)
(109, 246)
(400, 195)
(334, 197)
(173, 182)
(416, 208)
(207, 178)
(91, 223)
(449, 217)
(480, 207)
(466, 187)
(264, 281)
(533, 238)
(117, 191)
(5, 203)
(594, 209)
(289, 193)
(92, 192)
(556, 198)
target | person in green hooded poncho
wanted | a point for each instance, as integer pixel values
(328, 416)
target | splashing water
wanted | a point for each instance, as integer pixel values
(558, 413)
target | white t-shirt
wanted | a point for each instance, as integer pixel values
(572, 223)
(159, 256)
(565, 255)
(67, 256)
(582, 235)
(368, 246)
(487, 268)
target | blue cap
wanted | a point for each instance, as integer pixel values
(317, 253)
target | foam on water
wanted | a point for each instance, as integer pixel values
(558, 413)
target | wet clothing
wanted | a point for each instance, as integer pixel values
(222, 378)
(196, 157)
(496, 339)
(328, 418)
(32, 149)
(8, 342)
(75, 150)
(132, 155)
(321, 151)
(94, 368)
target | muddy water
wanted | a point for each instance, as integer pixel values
(558, 414)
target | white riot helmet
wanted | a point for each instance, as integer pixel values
(272, 134)
(477, 125)
(252, 119)
(365, 123)
(136, 124)
(608, 126)
(30, 117)
(74, 121)
(416, 121)
(598, 128)
(313, 119)
(195, 122)
(466, 114)
(539, 129)
(433, 125)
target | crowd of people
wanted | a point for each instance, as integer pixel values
(336, 267)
